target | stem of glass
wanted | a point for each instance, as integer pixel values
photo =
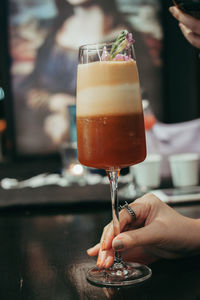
(113, 179)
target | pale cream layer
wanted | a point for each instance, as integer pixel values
(106, 73)
(109, 100)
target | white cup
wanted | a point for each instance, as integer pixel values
(184, 169)
(147, 174)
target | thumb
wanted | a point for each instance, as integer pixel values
(147, 235)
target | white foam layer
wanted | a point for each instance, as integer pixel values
(106, 100)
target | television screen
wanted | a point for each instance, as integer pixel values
(44, 37)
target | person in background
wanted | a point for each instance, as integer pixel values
(51, 86)
(48, 51)
(158, 231)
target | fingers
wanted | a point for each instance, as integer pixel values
(192, 23)
(193, 38)
(104, 249)
(108, 234)
(141, 207)
(148, 235)
(94, 250)
(126, 240)
(107, 237)
(105, 258)
(131, 239)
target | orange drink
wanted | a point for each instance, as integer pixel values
(110, 125)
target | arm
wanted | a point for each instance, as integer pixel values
(158, 232)
(189, 26)
(57, 102)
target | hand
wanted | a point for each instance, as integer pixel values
(56, 126)
(189, 26)
(158, 231)
(40, 99)
(37, 99)
(59, 102)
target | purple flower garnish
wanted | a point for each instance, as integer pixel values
(123, 42)
(130, 39)
(122, 57)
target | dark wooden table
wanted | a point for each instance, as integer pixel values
(43, 256)
(43, 252)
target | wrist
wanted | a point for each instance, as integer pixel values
(193, 235)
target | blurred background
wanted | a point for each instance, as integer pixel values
(38, 61)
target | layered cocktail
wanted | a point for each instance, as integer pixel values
(110, 132)
(110, 126)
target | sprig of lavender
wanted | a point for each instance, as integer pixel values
(124, 41)
(122, 57)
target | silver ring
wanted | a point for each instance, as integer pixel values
(129, 210)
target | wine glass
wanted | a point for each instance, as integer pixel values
(110, 136)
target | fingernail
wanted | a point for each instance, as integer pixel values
(118, 245)
(88, 250)
(171, 9)
(101, 259)
(108, 262)
(91, 248)
(98, 262)
(103, 245)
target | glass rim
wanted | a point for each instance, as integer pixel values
(95, 46)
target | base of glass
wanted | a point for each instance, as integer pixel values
(131, 274)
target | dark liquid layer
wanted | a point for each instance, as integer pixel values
(111, 141)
